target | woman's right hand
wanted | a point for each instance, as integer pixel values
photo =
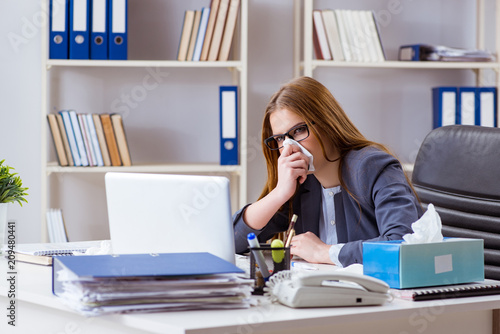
(293, 166)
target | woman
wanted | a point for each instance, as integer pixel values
(357, 191)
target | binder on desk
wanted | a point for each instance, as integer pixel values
(118, 34)
(228, 100)
(92, 267)
(99, 30)
(467, 106)
(79, 34)
(58, 45)
(444, 105)
(68, 126)
(487, 104)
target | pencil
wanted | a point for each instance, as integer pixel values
(291, 231)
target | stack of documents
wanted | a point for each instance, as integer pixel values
(102, 284)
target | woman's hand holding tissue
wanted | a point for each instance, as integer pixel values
(292, 168)
(426, 229)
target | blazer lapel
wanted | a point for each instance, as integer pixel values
(310, 207)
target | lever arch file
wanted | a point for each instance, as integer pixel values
(79, 35)
(58, 45)
(118, 34)
(228, 125)
(99, 31)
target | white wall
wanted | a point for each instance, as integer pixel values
(390, 106)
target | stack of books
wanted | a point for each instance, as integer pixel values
(89, 139)
(102, 284)
(347, 35)
(207, 34)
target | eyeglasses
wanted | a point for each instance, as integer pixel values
(297, 133)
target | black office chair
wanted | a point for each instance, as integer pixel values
(458, 170)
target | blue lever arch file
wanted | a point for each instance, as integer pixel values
(79, 34)
(58, 45)
(468, 111)
(118, 33)
(99, 30)
(444, 105)
(228, 99)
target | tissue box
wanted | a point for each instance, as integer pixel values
(452, 261)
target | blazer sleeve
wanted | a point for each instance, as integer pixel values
(277, 224)
(388, 203)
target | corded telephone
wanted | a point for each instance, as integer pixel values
(297, 289)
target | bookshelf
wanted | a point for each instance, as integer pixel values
(305, 63)
(212, 74)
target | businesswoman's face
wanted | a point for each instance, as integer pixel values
(284, 121)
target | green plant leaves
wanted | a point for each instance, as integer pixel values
(11, 186)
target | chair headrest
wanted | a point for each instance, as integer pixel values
(462, 159)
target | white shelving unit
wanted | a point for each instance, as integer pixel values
(306, 64)
(237, 174)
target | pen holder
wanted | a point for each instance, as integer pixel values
(276, 259)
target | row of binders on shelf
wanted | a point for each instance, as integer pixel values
(88, 29)
(464, 105)
(207, 34)
(89, 139)
(55, 226)
(347, 35)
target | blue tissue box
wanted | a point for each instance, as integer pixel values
(452, 261)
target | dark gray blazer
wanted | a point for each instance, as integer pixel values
(382, 207)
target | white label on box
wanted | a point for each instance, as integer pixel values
(443, 263)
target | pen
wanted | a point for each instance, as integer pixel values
(291, 231)
(259, 257)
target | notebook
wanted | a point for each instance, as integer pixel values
(165, 213)
(483, 288)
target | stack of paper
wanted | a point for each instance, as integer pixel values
(101, 284)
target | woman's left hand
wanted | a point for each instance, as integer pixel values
(309, 247)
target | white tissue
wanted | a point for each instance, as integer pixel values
(426, 229)
(290, 141)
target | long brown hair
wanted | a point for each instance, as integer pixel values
(324, 116)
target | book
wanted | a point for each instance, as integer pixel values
(332, 33)
(79, 137)
(214, 7)
(82, 120)
(68, 126)
(57, 139)
(227, 37)
(64, 136)
(321, 47)
(121, 139)
(200, 38)
(94, 141)
(101, 139)
(213, 53)
(187, 27)
(194, 34)
(55, 226)
(109, 133)
(344, 42)
(486, 287)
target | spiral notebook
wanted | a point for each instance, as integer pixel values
(41, 253)
(486, 287)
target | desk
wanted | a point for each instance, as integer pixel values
(38, 311)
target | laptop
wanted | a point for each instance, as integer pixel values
(165, 213)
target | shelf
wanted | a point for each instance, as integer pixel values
(406, 64)
(142, 63)
(53, 167)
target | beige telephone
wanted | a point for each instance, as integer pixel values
(296, 289)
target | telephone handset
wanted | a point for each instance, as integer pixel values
(296, 289)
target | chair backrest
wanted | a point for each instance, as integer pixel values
(458, 170)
